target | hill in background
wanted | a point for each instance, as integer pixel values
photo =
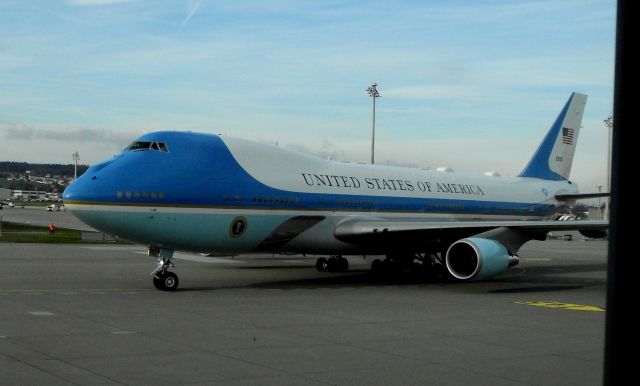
(41, 177)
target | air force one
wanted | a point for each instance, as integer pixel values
(209, 193)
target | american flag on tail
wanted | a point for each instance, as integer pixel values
(567, 136)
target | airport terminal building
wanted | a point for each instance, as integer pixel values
(32, 195)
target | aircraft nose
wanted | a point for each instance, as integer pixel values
(74, 191)
(90, 187)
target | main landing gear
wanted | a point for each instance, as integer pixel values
(333, 264)
(427, 264)
(163, 279)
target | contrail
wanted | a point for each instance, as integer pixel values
(193, 7)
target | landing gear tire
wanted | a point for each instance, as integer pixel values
(322, 265)
(166, 281)
(343, 264)
(332, 264)
(337, 264)
(377, 266)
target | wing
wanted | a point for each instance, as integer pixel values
(418, 234)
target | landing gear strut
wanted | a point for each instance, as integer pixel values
(333, 264)
(163, 279)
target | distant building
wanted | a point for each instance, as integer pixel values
(34, 195)
(596, 212)
(5, 194)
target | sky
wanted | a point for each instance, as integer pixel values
(472, 85)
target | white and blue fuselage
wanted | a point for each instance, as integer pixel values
(188, 195)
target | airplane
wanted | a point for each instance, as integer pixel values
(210, 193)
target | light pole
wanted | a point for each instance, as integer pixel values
(373, 93)
(609, 124)
(600, 203)
(76, 157)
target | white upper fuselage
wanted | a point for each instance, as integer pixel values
(292, 171)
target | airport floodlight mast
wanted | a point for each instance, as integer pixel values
(373, 93)
(609, 124)
(599, 202)
(76, 157)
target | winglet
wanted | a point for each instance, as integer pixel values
(553, 159)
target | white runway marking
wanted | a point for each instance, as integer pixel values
(41, 313)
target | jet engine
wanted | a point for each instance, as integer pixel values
(478, 258)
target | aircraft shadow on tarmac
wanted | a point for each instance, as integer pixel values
(546, 278)
(550, 278)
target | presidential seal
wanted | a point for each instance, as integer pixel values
(237, 227)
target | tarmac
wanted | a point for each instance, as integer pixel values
(40, 216)
(89, 314)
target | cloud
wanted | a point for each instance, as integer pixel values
(436, 91)
(10, 62)
(74, 134)
(327, 150)
(84, 3)
(17, 131)
(77, 134)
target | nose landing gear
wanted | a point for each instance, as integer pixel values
(163, 279)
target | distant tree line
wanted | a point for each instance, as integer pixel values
(29, 185)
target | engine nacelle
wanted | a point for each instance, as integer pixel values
(477, 258)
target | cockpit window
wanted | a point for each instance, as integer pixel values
(146, 145)
(138, 145)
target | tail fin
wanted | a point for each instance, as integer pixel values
(553, 159)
